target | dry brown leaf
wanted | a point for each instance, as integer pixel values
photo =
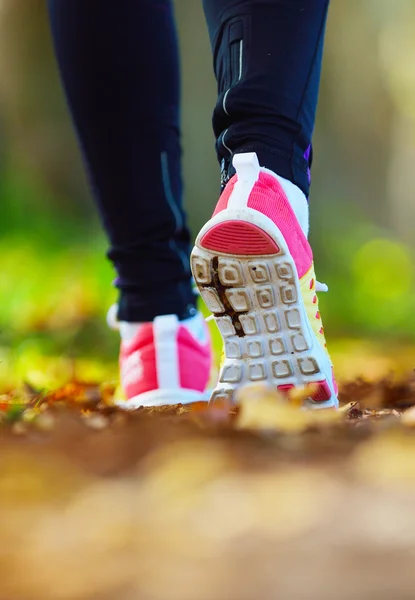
(389, 457)
(96, 421)
(19, 428)
(267, 410)
(299, 395)
(348, 407)
(45, 422)
(408, 417)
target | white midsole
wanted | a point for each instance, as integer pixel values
(163, 398)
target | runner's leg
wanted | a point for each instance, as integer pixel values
(267, 59)
(120, 68)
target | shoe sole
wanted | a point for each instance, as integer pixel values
(248, 280)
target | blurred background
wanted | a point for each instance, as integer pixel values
(55, 283)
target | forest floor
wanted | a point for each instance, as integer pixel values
(261, 501)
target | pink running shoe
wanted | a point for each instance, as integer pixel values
(254, 268)
(165, 362)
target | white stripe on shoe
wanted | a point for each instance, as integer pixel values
(165, 330)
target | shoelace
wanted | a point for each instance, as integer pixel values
(320, 287)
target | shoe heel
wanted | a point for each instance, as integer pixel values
(238, 237)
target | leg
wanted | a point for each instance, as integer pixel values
(267, 56)
(119, 65)
(252, 261)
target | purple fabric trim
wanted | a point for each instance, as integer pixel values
(307, 155)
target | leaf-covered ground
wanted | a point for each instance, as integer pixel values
(262, 501)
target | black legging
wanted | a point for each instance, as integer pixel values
(120, 69)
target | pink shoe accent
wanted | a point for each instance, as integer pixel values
(323, 392)
(225, 195)
(195, 361)
(269, 198)
(138, 362)
(239, 237)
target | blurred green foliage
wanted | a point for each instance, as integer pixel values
(55, 283)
